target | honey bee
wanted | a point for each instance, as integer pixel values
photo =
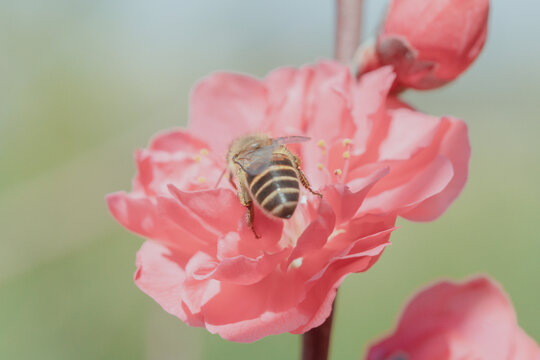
(268, 174)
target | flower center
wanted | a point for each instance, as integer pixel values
(337, 166)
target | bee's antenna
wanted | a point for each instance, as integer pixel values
(220, 177)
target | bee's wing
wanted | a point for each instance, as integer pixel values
(260, 159)
(289, 140)
(255, 161)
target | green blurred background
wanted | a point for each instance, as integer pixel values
(84, 83)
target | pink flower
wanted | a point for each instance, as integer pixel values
(372, 157)
(431, 42)
(451, 321)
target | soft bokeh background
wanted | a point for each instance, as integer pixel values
(84, 83)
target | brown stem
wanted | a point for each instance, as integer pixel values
(316, 342)
(348, 29)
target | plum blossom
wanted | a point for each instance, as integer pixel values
(429, 42)
(451, 321)
(372, 156)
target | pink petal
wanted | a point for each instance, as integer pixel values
(372, 88)
(331, 105)
(160, 278)
(195, 293)
(429, 165)
(369, 98)
(524, 347)
(241, 269)
(408, 132)
(269, 229)
(430, 181)
(137, 214)
(177, 140)
(317, 232)
(181, 215)
(218, 208)
(224, 106)
(287, 88)
(141, 216)
(255, 305)
(365, 236)
(189, 172)
(268, 323)
(176, 156)
(345, 202)
(455, 146)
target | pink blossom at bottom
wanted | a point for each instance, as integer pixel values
(474, 320)
(371, 156)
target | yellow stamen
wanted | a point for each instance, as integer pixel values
(320, 166)
(204, 152)
(197, 158)
(321, 144)
(346, 155)
(347, 142)
(201, 179)
(337, 172)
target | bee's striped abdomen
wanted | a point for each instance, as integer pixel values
(276, 189)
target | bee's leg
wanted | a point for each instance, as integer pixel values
(245, 199)
(305, 182)
(303, 179)
(251, 218)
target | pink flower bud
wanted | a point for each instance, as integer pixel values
(458, 321)
(431, 42)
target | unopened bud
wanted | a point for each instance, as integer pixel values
(431, 42)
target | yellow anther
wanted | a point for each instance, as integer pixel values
(204, 152)
(201, 179)
(347, 142)
(321, 144)
(320, 166)
(197, 158)
(337, 172)
(346, 155)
